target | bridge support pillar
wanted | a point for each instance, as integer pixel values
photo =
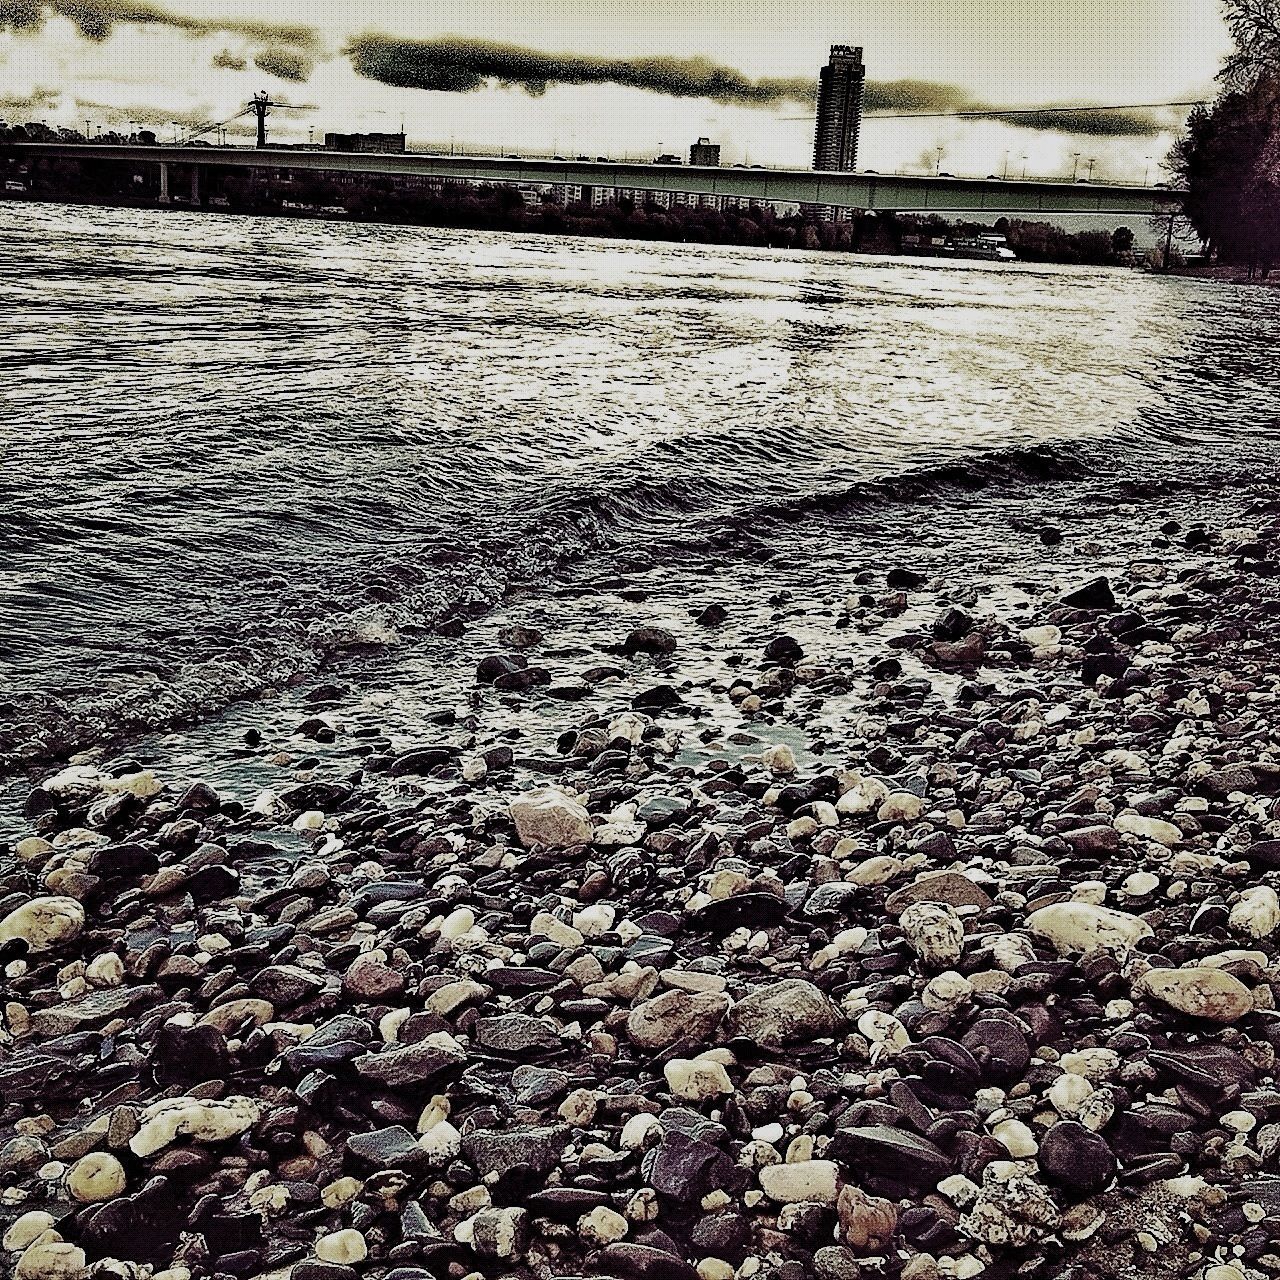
(195, 184)
(164, 182)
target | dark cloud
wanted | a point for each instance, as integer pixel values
(229, 61)
(453, 65)
(1086, 120)
(459, 66)
(287, 64)
(138, 114)
(914, 95)
(36, 101)
(94, 19)
(20, 15)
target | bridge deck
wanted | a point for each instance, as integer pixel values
(802, 186)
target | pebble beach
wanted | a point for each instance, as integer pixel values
(906, 929)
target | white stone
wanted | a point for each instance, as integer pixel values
(452, 996)
(550, 818)
(934, 932)
(204, 1120)
(636, 1131)
(1257, 912)
(1239, 1121)
(876, 870)
(50, 1260)
(311, 820)
(815, 1181)
(343, 1247)
(33, 849)
(545, 925)
(1016, 1137)
(1095, 1064)
(1068, 1092)
(1081, 926)
(1157, 829)
(442, 1143)
(595, 920)
(144, 784)
(43, 922)
(602, 1226)
(697, 1079)
(1041, 637)
(105, 970)
(948, 990)
(1140, 883)
(97, 1176)
(1212, 994)
(885, 1032)
(780, 760)
(459, 921)
(900, 806)
(27, 1229)
(866, 795)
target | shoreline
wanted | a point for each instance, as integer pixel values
(783, 976)
(783, 235)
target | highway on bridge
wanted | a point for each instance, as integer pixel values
(868, 191)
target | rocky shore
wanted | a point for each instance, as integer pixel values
(972, 975)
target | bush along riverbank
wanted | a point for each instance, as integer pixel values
(988, 988)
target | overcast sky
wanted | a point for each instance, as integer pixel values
(1009, 52)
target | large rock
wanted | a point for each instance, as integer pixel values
(1076, 1157)
(1095, 594)
(550, 818)
(494, 1151)
(93, 1009)
(676, 1015)
(43, 923)
(204, 1120)
(784, 1013)
(413, 1065)
(801, 1180)
(950, 888)
(1081, 926)
(1212, 994)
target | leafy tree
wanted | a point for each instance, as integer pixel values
(1228, 162)
(1229, 157)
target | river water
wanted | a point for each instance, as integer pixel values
(239, 452)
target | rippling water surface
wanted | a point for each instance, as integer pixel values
(235, 448)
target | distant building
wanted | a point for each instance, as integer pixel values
(835, 142)
(835, 139)
(706, 153)
(364, 142)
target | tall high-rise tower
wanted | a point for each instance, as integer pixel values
(835, 143)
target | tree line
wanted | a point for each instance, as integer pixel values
(1228, 159)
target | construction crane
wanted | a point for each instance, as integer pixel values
(259, 105)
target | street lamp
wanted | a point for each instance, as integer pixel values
(1024, 166)
(1006, 166)
(938, 169)
(1146, 173)
(1075, 168)
(1091, 164)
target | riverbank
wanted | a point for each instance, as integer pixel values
(497, 208)
(1236, 274)
(875, 923)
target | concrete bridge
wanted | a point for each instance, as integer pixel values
(867, 191)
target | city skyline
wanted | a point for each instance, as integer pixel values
(152, 74)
